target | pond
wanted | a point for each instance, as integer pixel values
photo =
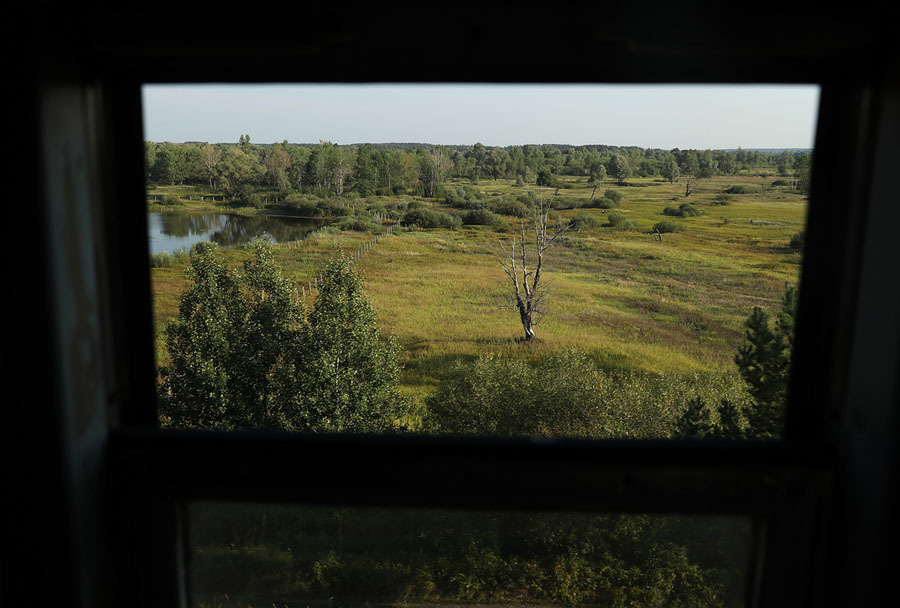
(172, 231)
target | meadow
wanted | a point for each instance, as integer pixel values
(633, 299)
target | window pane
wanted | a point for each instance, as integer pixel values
(323, 556)
(654, 297)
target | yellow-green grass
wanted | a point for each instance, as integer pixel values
(625, 297)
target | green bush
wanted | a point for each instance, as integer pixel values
(163, 259)
(613, 195)
(781, 182)
(360, 224)
(170, 199)
(586, 221)
(683, 210)
(465, 197)
(798, 240)
(739, 189)
(512, 208)
(480, 217)
(430, 218)
(667, 226)
(621, 222)
(602, 203)
(722, 199)
(505, 397)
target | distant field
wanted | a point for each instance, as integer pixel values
(629, 300)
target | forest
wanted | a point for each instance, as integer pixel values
(545, 290)
(248, 173)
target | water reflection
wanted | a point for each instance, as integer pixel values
(172, 231)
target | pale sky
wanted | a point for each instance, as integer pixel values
(649, 116)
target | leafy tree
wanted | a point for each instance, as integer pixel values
(171, 165)
(619, 168)
(546, 178)
(228, 343)
(671, 171)
(802, 172)
(245, 356)
(149, 159)
(244, 143)
(497, 162)
(345, 374)
(597, 176)
(210, 157)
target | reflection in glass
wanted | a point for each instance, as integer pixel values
(322, 556)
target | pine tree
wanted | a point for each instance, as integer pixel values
(764, 362)
(695, 421)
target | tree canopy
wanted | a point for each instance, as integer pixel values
(246, 355)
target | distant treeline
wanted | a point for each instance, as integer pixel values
(327, 169)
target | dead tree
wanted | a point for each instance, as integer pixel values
(524, 273)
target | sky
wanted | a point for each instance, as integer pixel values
(648, 116)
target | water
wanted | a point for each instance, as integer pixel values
(172, 231)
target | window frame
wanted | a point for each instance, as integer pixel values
(800, 490)
(785, 486)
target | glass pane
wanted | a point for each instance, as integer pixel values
(255, 555)
(390, 291)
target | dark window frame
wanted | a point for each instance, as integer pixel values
(786, 487)
(811, 493)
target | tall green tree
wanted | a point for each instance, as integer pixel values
(244, 355)
(228, 344)
(764, 362)
(618, 168)
(346, 373)
(670, 170)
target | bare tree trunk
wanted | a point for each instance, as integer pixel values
(527, 325)
(528, 290)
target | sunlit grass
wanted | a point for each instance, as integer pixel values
(632, 301)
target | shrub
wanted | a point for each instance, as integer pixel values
(163, 259)
(170, 199)
(480, 217)
(798, 240)
(620, 221)
(568, 203)
(430, 218)
(613, 195)
(360, 224)
(465, 197)
(255, 200)
(603, 203)
(739, 189)
(683, 210)
(506, 397)
(506, 207)
(667, 226)
(781, 182)
(586, 221)
(527, 198)
(722, 199)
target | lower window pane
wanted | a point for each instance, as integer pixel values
(264, 555)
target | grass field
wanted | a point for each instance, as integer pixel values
(628, 299)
